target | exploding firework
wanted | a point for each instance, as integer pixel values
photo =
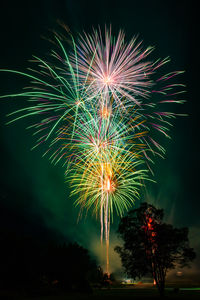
(115, 68)
(120, 74)
(105, 186)
(99, 104)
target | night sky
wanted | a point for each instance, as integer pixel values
(34, 197)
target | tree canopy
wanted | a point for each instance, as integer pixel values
(150, 246)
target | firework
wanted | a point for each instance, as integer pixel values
(121, 74)
(107, 182)
(113, 67)
(99, 104)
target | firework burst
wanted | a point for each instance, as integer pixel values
(99, 104)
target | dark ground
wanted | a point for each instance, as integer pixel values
(114, 293)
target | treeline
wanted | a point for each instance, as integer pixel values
(28, 264)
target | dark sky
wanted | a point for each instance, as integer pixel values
(34, 197)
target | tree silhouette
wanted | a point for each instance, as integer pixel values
(70, 265)
(152, 247)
